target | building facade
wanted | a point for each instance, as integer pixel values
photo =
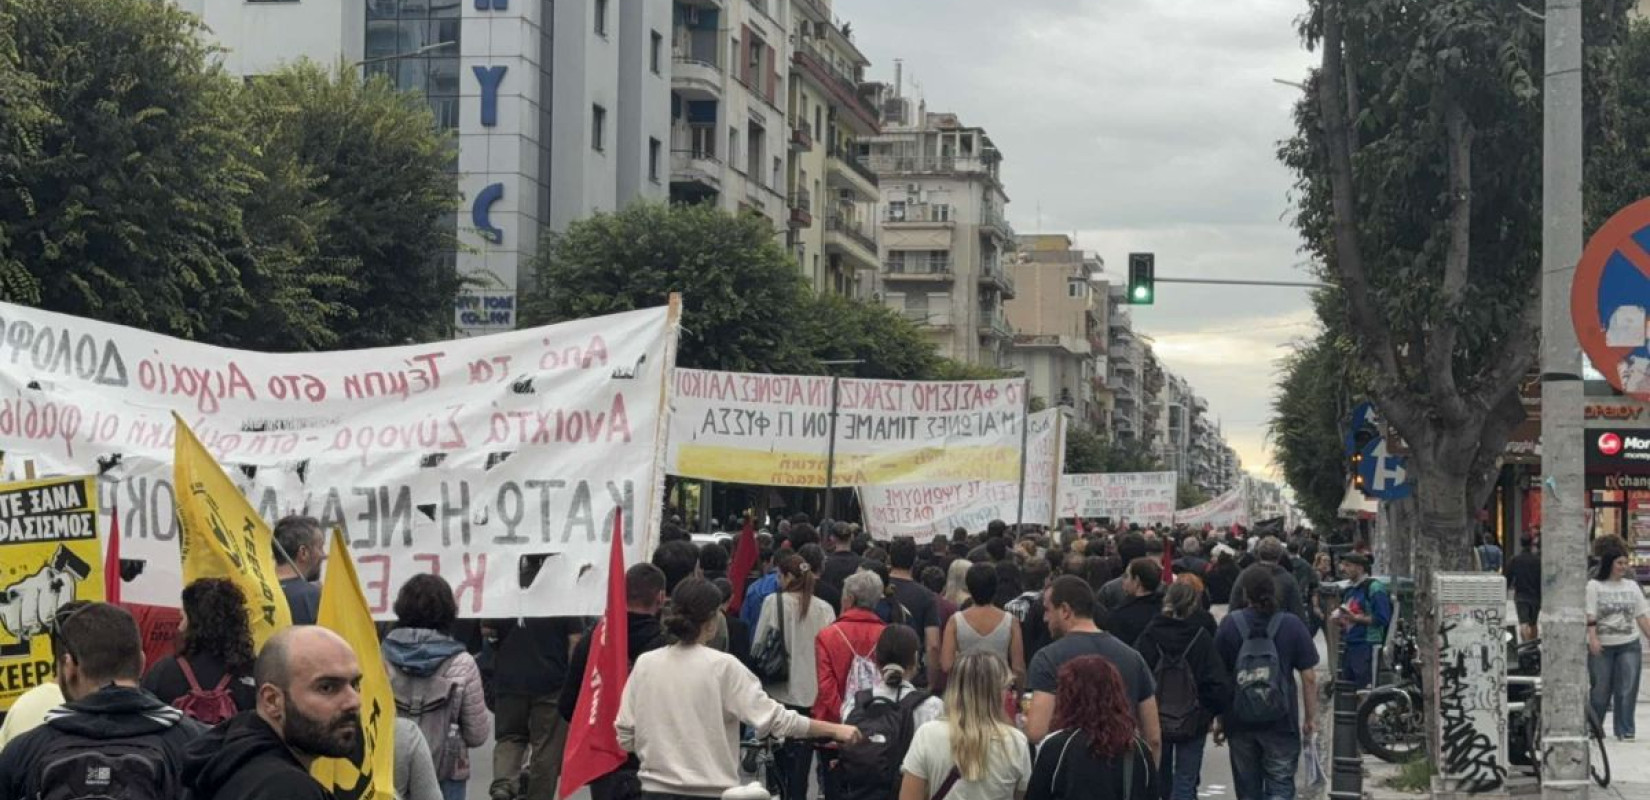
(559, 109)
(1057, 315)
(945, 241)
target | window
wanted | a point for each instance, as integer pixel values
(896, 211)
(916, 307)
(653, 160)
(598, 127)
(653, 55)
(601, 17)
(1074, 289)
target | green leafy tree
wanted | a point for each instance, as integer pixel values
(22, 115)
(127, 204)
(1088, 452)
(1316, 391)
(887, 345)
(368, 167)
(1187, 495)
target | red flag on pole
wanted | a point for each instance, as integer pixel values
(1168, 557)
(592, 741)
(111, 560)
(744, 560)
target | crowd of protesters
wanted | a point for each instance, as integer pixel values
(1002, 664)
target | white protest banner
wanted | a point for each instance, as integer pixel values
(1231, 508)
(1144, 497)
(455, 457)
(775, 430)
(924, 511)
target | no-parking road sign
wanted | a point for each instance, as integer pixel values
(1610, 300)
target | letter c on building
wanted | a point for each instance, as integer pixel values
(481, 212)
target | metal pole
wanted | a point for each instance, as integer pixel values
(1233, 282)
(1564, 539)
(1025, 438)
(830, 451)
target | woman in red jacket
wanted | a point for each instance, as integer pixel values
(853, 636)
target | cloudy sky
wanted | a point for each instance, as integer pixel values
(1138, 125)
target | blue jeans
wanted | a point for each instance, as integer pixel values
(1181, 769)
(452, 789)
(1615, 674)
(1358, 665)
(1264, 764)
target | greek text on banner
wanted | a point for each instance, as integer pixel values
(1144, 497)
(775, 430)
(455, 457)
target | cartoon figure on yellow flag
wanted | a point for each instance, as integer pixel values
(48, 558)
(223, 536)
(369, 774)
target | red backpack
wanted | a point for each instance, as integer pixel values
(207, 706)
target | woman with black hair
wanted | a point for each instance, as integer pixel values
(1616, 615)
(436, 682)
(682, 705)
(210, 677)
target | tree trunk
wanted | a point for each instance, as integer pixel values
(1397, 529)
(1443, 544)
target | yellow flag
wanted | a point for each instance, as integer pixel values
(370, 775)
(223, 537)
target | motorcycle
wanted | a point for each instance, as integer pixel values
(1391, 721)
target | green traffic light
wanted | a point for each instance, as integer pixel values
(1142, 293)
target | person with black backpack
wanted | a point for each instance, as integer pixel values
(1193, 686)
(887, 716)
(112, 738)
(1266, 649)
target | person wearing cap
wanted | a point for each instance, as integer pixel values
(1366, 608)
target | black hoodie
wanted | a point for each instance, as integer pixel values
(113, 714)
(244, 759)
(645, 635)
(1166, 634)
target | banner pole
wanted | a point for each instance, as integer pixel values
(830, 451)
(1025, 438)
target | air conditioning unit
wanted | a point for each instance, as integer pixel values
(913, 188)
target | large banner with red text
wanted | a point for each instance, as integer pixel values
(1147, 498)
(459, 458)
(778, 430)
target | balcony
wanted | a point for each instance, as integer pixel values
(992, 222)
(696, 79)
(843, 88)
(919, 215)
(917, 269)
(994, 325)
(933, 165)
(994, 274)
(843, 170)
(763, 200)
(847, 236)
(802, 137)
(695, 172)
(801, 205)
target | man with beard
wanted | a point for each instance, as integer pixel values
(111, 738)
(300, 548)
(309, 707)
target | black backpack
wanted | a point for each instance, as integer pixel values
(1262, 696)
(870, 770)
(1179, 709)
(78, 768)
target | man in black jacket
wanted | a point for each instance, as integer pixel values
(309, 706)
(1142, 579)
(1269, 552)
(644, 588)
(108, 726)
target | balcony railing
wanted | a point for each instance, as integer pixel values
(839, 223)
(918, 266)
(995, 323)
(919, 212)
(995, 272)
(801, 135)
(930, 164)
(845, 87)
(991, 217)
(852, 162)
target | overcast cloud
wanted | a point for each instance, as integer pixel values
(1137, 125)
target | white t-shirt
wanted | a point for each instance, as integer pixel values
(1616, 605)
(1007, 771)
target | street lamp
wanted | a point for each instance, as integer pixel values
(425, 50)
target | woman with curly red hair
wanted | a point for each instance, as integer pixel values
(1094, 753)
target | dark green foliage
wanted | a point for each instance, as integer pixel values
(1088, 452)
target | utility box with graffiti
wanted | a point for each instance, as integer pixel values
(1470, 689)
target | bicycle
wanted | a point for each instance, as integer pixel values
(758, 758)
(1524, 719)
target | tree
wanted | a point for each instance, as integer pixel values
(1316, 391)
(1188, 495)
(887, 345)
(372, 168)
(22, 114)
(1088, 452)
(127, 206)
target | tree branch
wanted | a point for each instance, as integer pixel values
(1515, 358)
(1440, 355)
(1499, 423)
(1371, 328)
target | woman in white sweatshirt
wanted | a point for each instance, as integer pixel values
(682, 706)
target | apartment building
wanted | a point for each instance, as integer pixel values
(1058, 317)
(729, 129)
(1125, 377)
(559, 110)
(945, 239)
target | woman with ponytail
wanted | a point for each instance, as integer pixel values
(1094, 753)
(681, 707)
(975, 753)
(898, 651)
(798, 616)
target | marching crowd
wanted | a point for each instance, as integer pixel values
(1012, 663)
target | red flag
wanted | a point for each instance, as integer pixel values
(744, 560)
(592, 741)
(111, 560)
(1168, 557)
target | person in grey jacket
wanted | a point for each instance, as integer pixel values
(414, 769)
(437, 683)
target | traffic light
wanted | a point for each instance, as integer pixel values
(1142, 279)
